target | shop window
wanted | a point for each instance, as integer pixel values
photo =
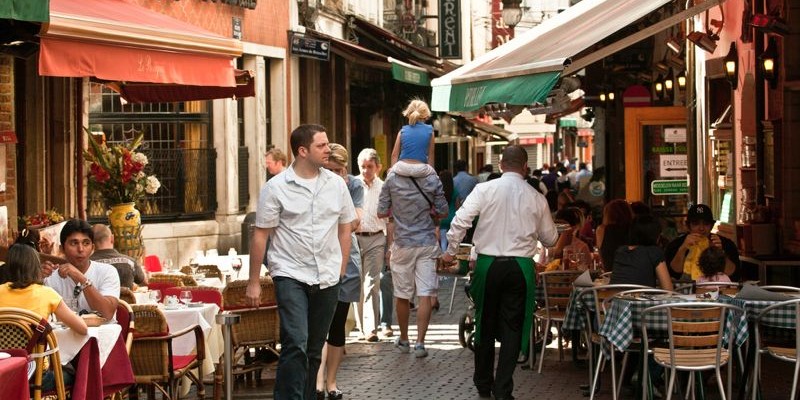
(178, 142)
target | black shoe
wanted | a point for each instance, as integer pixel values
(484, 394)
(320, 395)
(504, 398)
(335, 394)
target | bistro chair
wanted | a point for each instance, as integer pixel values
(124, 317)
(152, 358)
(17, 329)
(187, 269)
(783, 350)
(210, 271)
(781, 289)
(592, 323)
(258, 329)
(203, 294)
(152, 263)
(557, 286)
(726, 288)
(127, 295)
(696, 341)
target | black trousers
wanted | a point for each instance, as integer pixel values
(502, 318)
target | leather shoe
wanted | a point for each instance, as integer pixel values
(320, 395)
(335, 395)
(504, 398)
(485, 395)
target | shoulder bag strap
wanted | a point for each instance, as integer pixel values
(430, 203)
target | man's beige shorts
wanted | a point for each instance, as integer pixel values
(414, 267)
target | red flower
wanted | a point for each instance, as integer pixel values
(100, 175)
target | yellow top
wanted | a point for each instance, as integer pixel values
(690, 263)
(40, 299)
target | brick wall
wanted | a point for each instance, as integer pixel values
(9, 197)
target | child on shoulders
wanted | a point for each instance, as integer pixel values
(412, 154)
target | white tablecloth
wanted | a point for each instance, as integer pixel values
(70, 343)
(205, 317)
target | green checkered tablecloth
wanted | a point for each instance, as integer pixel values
(623, 321)
(575, 317)
(781, 317)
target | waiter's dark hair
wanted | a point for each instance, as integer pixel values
(303, 136)
(514, 157)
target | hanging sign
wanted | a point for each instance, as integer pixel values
(673, 165)
(669, 187)
(310, 48)
(450, 28)
(675, 135)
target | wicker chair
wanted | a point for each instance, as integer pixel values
(210, 271)
(205, 294)
(186, 269)
(257, 329)
(16, 330)
(127, 295)
(152, 359)
(172, 280)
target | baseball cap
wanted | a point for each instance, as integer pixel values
(700, 212)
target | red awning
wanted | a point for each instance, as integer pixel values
(115, 40)
(166, 93)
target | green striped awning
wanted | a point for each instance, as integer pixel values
(25, 10)
(524, 89)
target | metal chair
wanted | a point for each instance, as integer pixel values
(727, 288)
(781, 289)
(152, 358)
(780, 351)
(696, 342)
(593, 321)
(557, 286)
(16, 330)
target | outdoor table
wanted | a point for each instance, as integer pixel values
(90, 354)
(14, 378)
(183, 317)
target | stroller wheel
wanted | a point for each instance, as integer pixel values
(471, 341)
(465, 327)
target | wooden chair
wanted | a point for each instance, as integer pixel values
(258, 328)
(205, 294)
(593, 322)
(16, 330)
(127, 295)
(210, 271)
(696, 342)
(152, 358)
(782, 351)
(557, 286)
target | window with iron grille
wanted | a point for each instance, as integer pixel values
(178, 142)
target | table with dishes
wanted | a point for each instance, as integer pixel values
(202, 314)
(101, 347)
(14, 377)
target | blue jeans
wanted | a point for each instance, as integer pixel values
(305, 316)
(387, 300)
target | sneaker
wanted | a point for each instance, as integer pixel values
(403, 346)
(372, 338)
(419, 350)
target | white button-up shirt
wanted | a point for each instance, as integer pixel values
(369, 220)
(513, 217)
(305, 243)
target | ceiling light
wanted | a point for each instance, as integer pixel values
(703, 40)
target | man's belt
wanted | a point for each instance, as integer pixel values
(369, 233)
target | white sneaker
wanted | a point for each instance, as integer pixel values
(419, 350)
(403, 346)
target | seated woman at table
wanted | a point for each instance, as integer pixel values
(613, 231)
(569, 240)
(642, 262)
(25, 289)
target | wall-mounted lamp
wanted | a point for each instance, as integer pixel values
(602, 97)
(512, 12)
(659, 86)
(668, 84)
(732, 66)
(611, 96)
(682, 80)
(703, 40)
(768, 62)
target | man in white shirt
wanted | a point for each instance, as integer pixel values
(306, 212)
(84, 285)
(513, 218)
(371, 236)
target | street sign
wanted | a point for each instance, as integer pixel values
(309, 47)
(668, 187)
(673, 165)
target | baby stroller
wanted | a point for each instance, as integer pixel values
(466, 324)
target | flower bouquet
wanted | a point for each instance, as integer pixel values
(117, 171)
(42, 219)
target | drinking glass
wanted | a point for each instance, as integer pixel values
(193, 264)
(236, 264)
(566, 258)
(186, 296)
(168, 264)
(155, 295)
(574, 260)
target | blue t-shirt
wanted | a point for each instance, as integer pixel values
(414, 142)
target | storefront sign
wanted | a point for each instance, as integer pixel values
(249, 4)
(8, 137)
(450, 28)
(673, 165)
(675, 135)
(668, 187)
(310, 48)
(501, 33)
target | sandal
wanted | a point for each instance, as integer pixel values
(335, 394)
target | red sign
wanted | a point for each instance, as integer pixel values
(501, 33)
(636, 96)
(8, 137)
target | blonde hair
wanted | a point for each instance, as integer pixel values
(417, 111)
(339, 154)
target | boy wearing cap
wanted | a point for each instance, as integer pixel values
(683, 252)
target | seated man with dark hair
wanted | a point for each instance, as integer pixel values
(683, 253)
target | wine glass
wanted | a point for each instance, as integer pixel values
(236, 264)
(186, 296)
(193, 264)
(155, 295)
(168, 265)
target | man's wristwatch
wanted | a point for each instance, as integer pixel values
(86, 284)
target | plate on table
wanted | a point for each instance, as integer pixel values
(195, 304)
(93, 320)
(4, 355)
(172, 306)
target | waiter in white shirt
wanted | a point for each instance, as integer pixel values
(513, 218)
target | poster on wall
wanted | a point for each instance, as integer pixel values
(4, 226)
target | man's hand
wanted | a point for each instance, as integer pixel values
(70, 271)
(48, 268)
(45, 245)
(715, 241)
(448, 259)
(254, 292)
(692, 239)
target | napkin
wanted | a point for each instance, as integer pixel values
(753, 292)
(584, 279)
